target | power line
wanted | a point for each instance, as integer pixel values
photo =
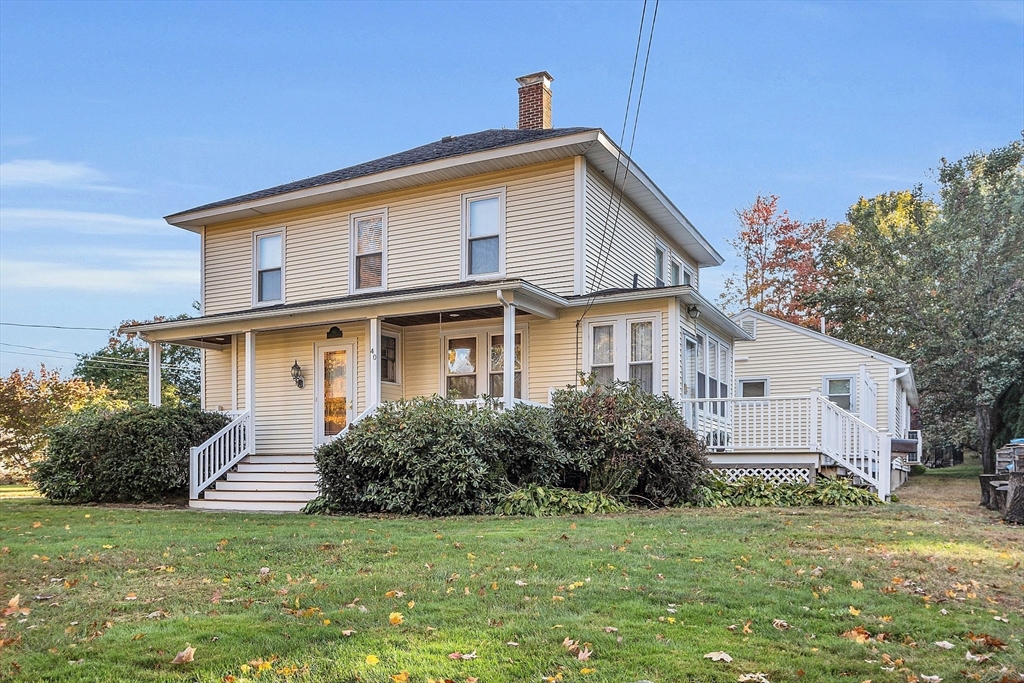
(68, 355)
(57, 327)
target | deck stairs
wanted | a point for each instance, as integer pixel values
(266, 483)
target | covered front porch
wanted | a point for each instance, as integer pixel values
(294, 377)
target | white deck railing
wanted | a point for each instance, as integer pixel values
(793, 423)
(222, 451)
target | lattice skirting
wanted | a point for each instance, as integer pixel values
(776, 475)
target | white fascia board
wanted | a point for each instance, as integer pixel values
(321, 194)
(696, 242)
(807, 332)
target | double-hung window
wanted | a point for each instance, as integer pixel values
(388, 358)
(369, 234)
(839, 390)
(675, 274)
(624, 349)
(497, 369)
(483, 230)
(468, 375)
(268, 267)
(659, 266)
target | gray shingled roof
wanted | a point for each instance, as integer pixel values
(442, 149)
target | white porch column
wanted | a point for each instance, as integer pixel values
(373, 360)
(154, 374)
(250, 386)
(510, 356)
(884, 464)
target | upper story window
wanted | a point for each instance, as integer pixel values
(483, 230)
(268, 267)
(369, 233)
(659, 266)
(675, 274)
(687, 277)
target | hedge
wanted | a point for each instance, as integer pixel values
(137, 455)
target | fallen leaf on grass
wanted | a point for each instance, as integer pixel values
(858, 635)
(138, 636)
(587, 670)
(512, 643)
(757, 678)
(13, 607)
(186, 655)
(372, 660)
(854, 611)
(931, 679)
(780, 624)
(402, 677)
(986, 640)
(348, 632)
(610, 629)
(584, 654)
(395, 618)
(746, 626)
(945, 645)
(718, 657)
(460, 655)
(971, 657)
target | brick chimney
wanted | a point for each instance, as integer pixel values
(535, 101)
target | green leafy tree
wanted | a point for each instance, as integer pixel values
(941, 285)
(122, 366)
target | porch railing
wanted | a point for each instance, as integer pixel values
(793, 423)
(209, 461)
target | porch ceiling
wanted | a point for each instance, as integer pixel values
(461, 315)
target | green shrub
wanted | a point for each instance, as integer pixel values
(917, 470)
(623, 441)
(522, 441)
(538, 501)
(137, 455)
(426, 455)
(759, 492)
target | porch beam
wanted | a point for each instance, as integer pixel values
(509, 341)
(373, 393)
(250, 382)
(154, 374)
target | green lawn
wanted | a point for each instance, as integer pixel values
(115, 593)
(17, 491)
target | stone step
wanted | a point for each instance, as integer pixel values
(293, 467)
(260, 496)
(273, 476)
(266, 485)
(247, 505)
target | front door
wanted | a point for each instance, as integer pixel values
(335, 390)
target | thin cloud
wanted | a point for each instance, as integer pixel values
(16, 140)
(84, 222)
(158, 275)
(46, 173)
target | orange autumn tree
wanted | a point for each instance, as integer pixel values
(780, 263)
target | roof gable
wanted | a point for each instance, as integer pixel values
(749, 313)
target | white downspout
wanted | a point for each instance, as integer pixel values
(509, 341)
(154, 374)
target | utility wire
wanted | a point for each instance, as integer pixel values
(85, 358)
(57, 327)
(599, 265)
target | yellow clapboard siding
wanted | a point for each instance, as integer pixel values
(217, 379)
(795, 364)
(424, 239)
(630, 249)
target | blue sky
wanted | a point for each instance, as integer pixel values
(114, 115)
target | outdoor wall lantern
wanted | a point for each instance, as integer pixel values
(693, 312)
(335, 333)
(300, 381)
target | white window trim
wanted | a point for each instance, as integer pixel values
(483, 367)
(498, 192)
(853, 388)
(666, 257)
(694, 282)
(396, 333)
(620, 337)
(674, 260)
(739, 386)
(730, 361)
(352, 255)
(256, 235)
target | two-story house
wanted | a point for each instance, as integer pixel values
(406, 275)
(502, 263)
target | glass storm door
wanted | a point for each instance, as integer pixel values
(335, 390)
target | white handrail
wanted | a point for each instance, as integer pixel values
(222, 451)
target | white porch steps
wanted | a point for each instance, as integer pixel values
(263, 483)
